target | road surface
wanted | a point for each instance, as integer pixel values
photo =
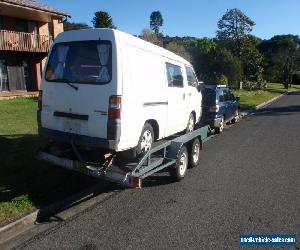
(248, 182)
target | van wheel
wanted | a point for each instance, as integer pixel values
(180, 169)
(221, 126)
(236, 116)
(146, 140)
(195, 153)
(191, 124)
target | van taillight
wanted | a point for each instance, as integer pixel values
(114, 109)
(40, 99)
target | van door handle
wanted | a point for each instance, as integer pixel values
(190, 94)
(183, 96)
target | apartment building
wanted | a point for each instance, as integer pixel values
(27, 30)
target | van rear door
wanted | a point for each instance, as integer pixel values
(77, 86)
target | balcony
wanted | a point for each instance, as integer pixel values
(25, 42)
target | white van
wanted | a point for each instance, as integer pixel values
(106, 89)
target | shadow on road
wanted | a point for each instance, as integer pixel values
(294, 93)
(158, 180)
(277, 111)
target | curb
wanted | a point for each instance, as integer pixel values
(17, 226)
(262, 105)
(64, 209)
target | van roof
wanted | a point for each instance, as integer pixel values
(80, 35)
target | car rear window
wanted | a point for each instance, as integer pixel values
(208, 96)
(80, 62)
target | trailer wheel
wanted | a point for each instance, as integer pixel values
(180, 169)
(195, 153)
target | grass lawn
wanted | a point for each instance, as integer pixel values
(250, 99)
(25, 183)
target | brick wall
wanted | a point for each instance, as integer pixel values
(43, 29)
(58, 27)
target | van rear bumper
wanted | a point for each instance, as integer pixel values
(212, 121)
(80, 140)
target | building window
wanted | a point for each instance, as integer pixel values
(3, 76)
(1, 23)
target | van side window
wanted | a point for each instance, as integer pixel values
(191, 78)
(226, 95)
(221, 97)
(231, 95)
(175, 78)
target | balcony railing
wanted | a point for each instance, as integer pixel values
(26, 42)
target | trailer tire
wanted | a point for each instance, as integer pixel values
(195, 153)
(181, 165)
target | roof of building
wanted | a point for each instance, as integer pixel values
(36, 5)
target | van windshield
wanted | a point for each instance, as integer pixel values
(80, 62)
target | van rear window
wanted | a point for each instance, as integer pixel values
(208, 96)
(80, 62)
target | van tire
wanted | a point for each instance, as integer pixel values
(191, 124)
(146, 140)
(236, 116)
(220, 129)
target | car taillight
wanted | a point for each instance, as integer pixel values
(214, 109)
(40, 99)
(114, 109)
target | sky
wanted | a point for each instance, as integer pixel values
(197, 18)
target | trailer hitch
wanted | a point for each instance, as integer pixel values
(100, 168)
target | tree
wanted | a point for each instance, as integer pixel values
(202, 52)
(281, 58)
(103, 20)
(222, 79)
(252, 62)
(227, 64)
(149, 36)
(234, 26)
(213, 62)
(178, 48)
(75, 26)
(156, 21)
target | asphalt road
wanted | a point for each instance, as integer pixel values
(248, 182)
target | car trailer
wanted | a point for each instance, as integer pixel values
(176, 153)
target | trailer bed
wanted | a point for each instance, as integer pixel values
(163, 155)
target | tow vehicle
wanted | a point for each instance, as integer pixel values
(175, 153)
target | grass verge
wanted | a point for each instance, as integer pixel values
(250, 99)
(25, 183)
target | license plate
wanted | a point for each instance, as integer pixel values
(72, 127)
